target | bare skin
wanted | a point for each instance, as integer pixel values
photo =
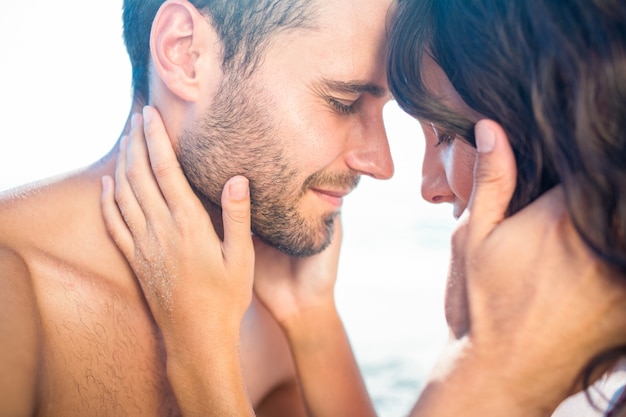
(78, 336)
(502, 348)
(527, 314)
(304, 307)
(447, 178)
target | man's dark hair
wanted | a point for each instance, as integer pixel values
(244, 27)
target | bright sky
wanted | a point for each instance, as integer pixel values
(64, 78)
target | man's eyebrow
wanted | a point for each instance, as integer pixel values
(354, 87)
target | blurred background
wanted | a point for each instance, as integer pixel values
(65, 83)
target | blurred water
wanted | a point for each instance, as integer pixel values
(392, 274)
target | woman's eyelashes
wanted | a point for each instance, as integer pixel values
(442, 136)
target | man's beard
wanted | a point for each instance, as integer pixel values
(238, 137)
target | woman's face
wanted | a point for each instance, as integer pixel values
(447, 170)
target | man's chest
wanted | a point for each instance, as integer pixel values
(103, 355)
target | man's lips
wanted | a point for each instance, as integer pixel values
(333, 196)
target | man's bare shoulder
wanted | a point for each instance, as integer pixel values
(40, 214)
(16, 291)
(19, 340)
(20, 208)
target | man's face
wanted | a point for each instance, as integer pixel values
(302, 128)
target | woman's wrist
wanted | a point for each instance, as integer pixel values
(468, 382)
(304, 321)
(201, 339)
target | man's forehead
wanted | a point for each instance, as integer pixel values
(334, 53)
(336, 16)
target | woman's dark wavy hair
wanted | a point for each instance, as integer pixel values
(553, 74)
(244, 27)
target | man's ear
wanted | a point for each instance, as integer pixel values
(185, 50)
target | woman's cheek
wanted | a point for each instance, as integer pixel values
(462, 161)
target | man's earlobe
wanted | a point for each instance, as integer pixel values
(182, 45)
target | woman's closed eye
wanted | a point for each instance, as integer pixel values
(442, 136)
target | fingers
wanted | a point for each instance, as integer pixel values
(125, 197)
(138, 171)
(115, 224)
(495, 175)
(236, 217)
(456, 298)
(494, 182)
(165, 166)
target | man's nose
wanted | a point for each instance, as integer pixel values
(371, 154)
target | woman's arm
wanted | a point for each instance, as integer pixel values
(299, 293)
(528, 303)
(198, 287)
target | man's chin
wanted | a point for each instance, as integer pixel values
(297, 251)
(300, 244)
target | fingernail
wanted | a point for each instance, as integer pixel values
(147, 114)
(238, 188)
(134, 120)
(485, 138)
(105, 184)
(123, 143)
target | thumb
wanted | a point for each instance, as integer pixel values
(236, 217)
(495, 174)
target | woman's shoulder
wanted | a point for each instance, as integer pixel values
(599, 398)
